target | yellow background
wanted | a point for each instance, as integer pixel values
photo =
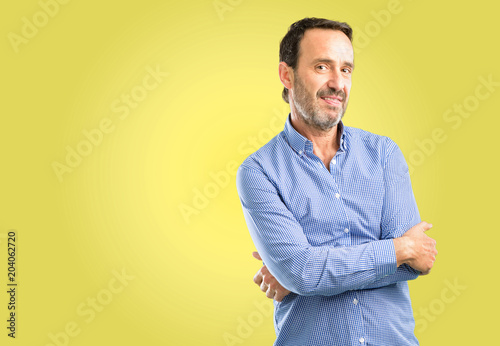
(119, 208)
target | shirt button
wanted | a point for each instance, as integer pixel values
(334, 161)
(355, 301)
(300, 152)
(361, 340)
(346, 230)
(337, 195)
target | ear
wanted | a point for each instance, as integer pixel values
(286, 75)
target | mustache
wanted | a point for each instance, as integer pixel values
(331, 92)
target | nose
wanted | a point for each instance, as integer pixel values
(335, 80)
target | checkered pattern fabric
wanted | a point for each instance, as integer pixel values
(326, 236)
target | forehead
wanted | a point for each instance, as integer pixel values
(325, 44)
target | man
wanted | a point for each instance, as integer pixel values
(330, 208)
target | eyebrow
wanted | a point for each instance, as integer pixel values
(330, 61)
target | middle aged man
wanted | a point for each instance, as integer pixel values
(330, 208)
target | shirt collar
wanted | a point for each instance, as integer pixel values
(301, 144)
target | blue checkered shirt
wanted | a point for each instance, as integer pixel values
(326, 236)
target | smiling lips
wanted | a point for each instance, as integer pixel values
(332, 100)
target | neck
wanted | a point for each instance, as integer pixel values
(325, 143)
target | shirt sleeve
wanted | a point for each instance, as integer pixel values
(399, 211)
(298, 266)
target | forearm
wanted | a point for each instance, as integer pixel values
(324, 270)
(298, 266)
(403, 273)
(415, 256)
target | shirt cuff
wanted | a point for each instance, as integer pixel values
(385, 257)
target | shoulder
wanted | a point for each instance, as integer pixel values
(258, 171)
(364, 137)
(368, 141)
(264, 157)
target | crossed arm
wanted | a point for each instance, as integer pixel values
(416, 247)
(292, 264)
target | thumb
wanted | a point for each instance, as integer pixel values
(425, 226)
(256, 255)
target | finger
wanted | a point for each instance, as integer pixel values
(268, 279)
(258, 278)
(280, 294)
(270, 293)
(265, 271)
(256, 255)
(425, 226)
(264, 287)
(426, 272)
(278, 297)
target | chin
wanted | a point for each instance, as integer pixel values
(335, 118)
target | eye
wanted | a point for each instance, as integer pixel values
(346, 70)
(322, 67)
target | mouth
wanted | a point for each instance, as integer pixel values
(332, 100)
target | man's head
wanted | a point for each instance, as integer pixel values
(316, 62)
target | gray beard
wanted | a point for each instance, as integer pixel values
(312, 119)
(309, 113)
(323, 124)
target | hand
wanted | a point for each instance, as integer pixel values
(268, 282)
(416, 249)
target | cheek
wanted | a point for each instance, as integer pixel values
(347, 88)
(316, 84)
